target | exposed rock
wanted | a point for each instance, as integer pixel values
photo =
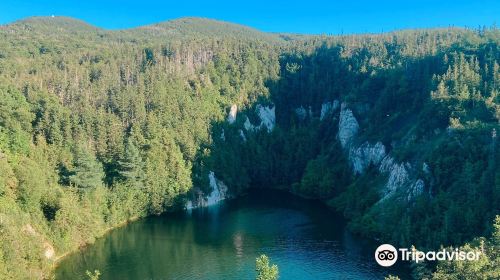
(328, 108)
(399, 179)
(267, 119)
(248, 125)
(348, 126)
(267, 116)
(365, 155)
(219, 192)
(231, 118)
(398, 174)
(48, 249)
(415, 189)
(361, 157)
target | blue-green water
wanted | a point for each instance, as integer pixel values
(304, 238)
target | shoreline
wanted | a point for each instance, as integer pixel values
(58, 259)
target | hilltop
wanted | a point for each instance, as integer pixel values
(186, 27)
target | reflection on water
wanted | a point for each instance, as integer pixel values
(304, 238)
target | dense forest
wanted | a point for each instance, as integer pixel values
(398, 131)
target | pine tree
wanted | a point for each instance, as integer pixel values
(264, 270)
(87, 172)
(131, 166)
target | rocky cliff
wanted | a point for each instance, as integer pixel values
(401, 177)
(218, 192)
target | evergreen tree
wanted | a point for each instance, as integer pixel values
(131, 166)
(87, 171)
(486, 267)
(264, 270)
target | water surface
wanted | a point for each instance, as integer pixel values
(304, 238)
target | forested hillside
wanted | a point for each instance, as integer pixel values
(397, 131)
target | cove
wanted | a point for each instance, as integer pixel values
(303, 237)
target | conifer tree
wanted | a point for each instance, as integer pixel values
(264, 270)
(87, 172)
(131, 166)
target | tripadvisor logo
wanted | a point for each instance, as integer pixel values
(387, 255)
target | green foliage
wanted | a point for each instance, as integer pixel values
(93, 276)
(167, 174)
(87, 172)
(131, 166)
(98, 127)
(266, 271)
(487, 267)
(324, 177)
(15, 121)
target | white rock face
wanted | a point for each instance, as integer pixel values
(248, 125)
(267, 119)
(267, 116)
(415, 189)
(348, 126)
(366, 154)
(219, 190)
(399, 179)
(398, 174)
(231, 118)
(328, 108)
(218, 193)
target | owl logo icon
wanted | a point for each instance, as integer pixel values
(386, 255)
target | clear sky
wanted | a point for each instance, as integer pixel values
(306, 16)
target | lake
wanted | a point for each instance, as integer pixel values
(303, 237)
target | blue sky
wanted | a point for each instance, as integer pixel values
(307, 16)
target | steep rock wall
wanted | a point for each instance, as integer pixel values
(348, 126)
(400, 176)
(219, 192)
(328, 108)
(231, 117)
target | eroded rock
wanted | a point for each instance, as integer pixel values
(328, 108)
(366, 154)
(231, 117)
(348, 126)
(267, 116)
(219, 191)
